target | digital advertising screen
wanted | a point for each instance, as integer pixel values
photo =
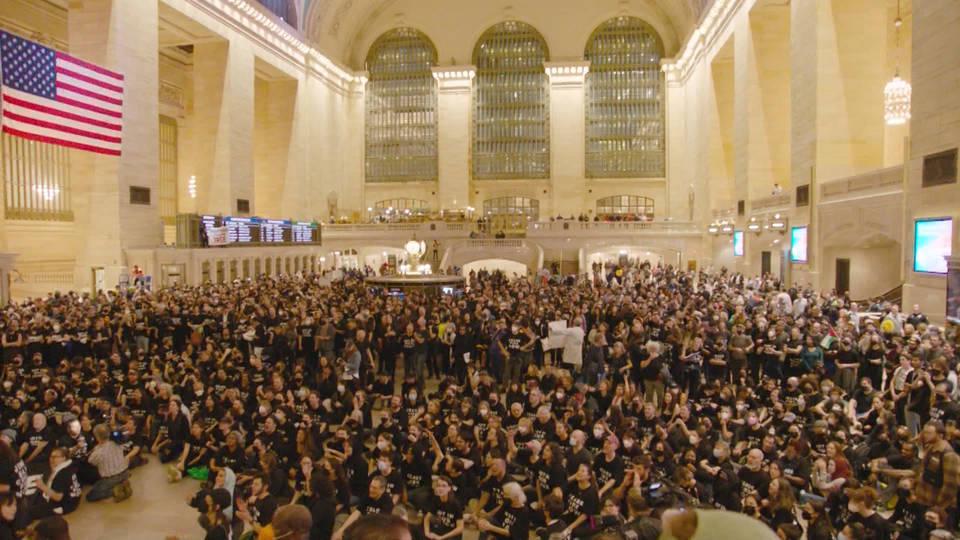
(798, 244)
(738, 243)
(932, 241)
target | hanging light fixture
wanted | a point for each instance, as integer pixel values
(897, 92)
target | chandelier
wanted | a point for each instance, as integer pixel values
(896, 101)
(896, 93)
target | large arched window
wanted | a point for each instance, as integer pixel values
(624, 105)
(401, 104)
(511, 106)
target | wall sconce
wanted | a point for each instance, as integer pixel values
(778, 223)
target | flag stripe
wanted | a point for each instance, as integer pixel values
(56, 134)
(63, 82)
(62, 142)
(109, 120)
(88, 65)
(89, 80)
(90, 94)
(42, 109)
(59, 127)
(87, 106)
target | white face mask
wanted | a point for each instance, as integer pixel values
(717, 453)
(573, 442)
(598, 433)
(628, 444)
(341, 388)
(382, 466)
(559, 395)
(484, 412)
(382, 445)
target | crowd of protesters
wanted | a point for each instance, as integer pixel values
(654, 388)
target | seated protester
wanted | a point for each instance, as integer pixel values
(908, 515)
(640, 524)
(443, 518)
(8, 516)
(577, 454)
(396, 487)
(551, 476)
(608, 466)
(778, 506)
(818, 523)
(753, 479)
(553, 517)
(196, 452)
(491, 486)
(230, 455)
(37, 443)
(511, 520)
(376, 500)
(718, 475)
(212, 518)
(60, 493)
(302, 493)
(78, 448)
(130, 439)
(279, 483)
(416, 475)
(170, 443)
(323, 506)
(107, 456)
(861, 505)
(582, 499)
(256, 508)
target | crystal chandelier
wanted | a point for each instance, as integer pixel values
(896, 93)
(896, 101)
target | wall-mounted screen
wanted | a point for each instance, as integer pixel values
(798, 244)
(738, 243)
(932, 241)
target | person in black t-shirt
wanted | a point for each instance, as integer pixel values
(377, 500)
(257, 510)
(444, 519)
(582, 499)
(511, 520)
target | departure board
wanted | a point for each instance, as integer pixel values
(241, 229)
(208, 222)
(302, 232)
(274, 230)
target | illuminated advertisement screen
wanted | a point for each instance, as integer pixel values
(738, 243)
(932, 241)
(798, 244)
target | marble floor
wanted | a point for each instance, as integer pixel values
(157, 510)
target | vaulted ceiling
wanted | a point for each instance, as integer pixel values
(345, 29)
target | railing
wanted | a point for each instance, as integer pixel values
(425, 227)
(773, 202)
(889, 178)
(568, 227)
(494, 243)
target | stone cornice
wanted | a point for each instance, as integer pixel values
(571, 73)
(702, 40)
(454, 79)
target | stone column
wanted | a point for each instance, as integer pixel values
(120, 35)
(567, 136)
(221, 131)
(454, 126)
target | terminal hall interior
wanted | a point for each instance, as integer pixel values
(316, 198)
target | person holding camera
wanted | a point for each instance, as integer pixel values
(111, 463)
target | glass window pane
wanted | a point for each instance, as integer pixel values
(401, 105)
(510, 134)
(624, 113)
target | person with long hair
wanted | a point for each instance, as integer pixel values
(582, 498)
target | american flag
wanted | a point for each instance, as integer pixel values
(53, 97)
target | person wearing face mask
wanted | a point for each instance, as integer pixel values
(395, 485)
(908, 514)
(718, 474)
(818, 525)
(752, 476)
(577, 453)
(376, 501)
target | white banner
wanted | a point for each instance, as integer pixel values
(217, 236)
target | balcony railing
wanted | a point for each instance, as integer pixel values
(610, 227)
(425, 228)
(771, 203)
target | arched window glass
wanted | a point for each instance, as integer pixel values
(624, 108)
(625, 207)
(511, 106)
(510, 214)
(401, 107)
